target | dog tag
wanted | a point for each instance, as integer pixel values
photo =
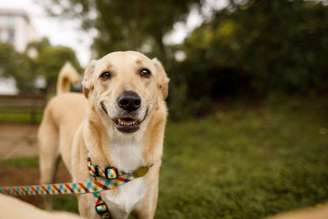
(140, 172)
(111, 173)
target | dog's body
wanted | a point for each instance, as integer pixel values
(121, 123)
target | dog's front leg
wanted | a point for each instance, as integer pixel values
(146, 208)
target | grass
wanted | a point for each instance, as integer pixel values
(21, 117)
(245, 162)
(22, 162)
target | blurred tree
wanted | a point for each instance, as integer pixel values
(39, 59)
(16, 65)
(50, 60)
(280, 45)
(126, 25)
(33, 49)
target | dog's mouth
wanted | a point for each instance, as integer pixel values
(128, 124)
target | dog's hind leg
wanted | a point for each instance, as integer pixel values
(48, 152)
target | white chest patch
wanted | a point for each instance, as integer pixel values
(126, 156)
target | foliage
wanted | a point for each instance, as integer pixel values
(39, 59)
(252, 49)
(121, 25)
(272, 46)
(16, 65)
(51, 59)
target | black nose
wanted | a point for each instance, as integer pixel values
(129, 101)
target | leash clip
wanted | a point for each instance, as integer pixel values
(102, 209)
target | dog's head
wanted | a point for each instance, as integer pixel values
(125, 88)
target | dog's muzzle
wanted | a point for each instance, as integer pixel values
(129, 107)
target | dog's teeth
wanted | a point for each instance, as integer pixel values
(126, 123)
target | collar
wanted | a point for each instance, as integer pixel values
(113, 174)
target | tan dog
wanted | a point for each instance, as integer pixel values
(17, 209)
(121, 123)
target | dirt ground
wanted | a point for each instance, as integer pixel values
(11, 176)
(18, 140)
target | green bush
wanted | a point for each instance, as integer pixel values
(256, 49)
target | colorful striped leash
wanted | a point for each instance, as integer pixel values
(89, 186)
(100, 180)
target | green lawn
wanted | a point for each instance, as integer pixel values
(243, 162)
(21, 117)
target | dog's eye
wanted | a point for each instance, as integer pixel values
(145, 73)
(105, 75)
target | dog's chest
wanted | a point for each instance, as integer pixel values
(126, 156)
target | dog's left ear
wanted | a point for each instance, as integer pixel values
(87, 85)
(163, 80)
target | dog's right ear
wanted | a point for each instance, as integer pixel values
(163, 80)
(87, 84)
